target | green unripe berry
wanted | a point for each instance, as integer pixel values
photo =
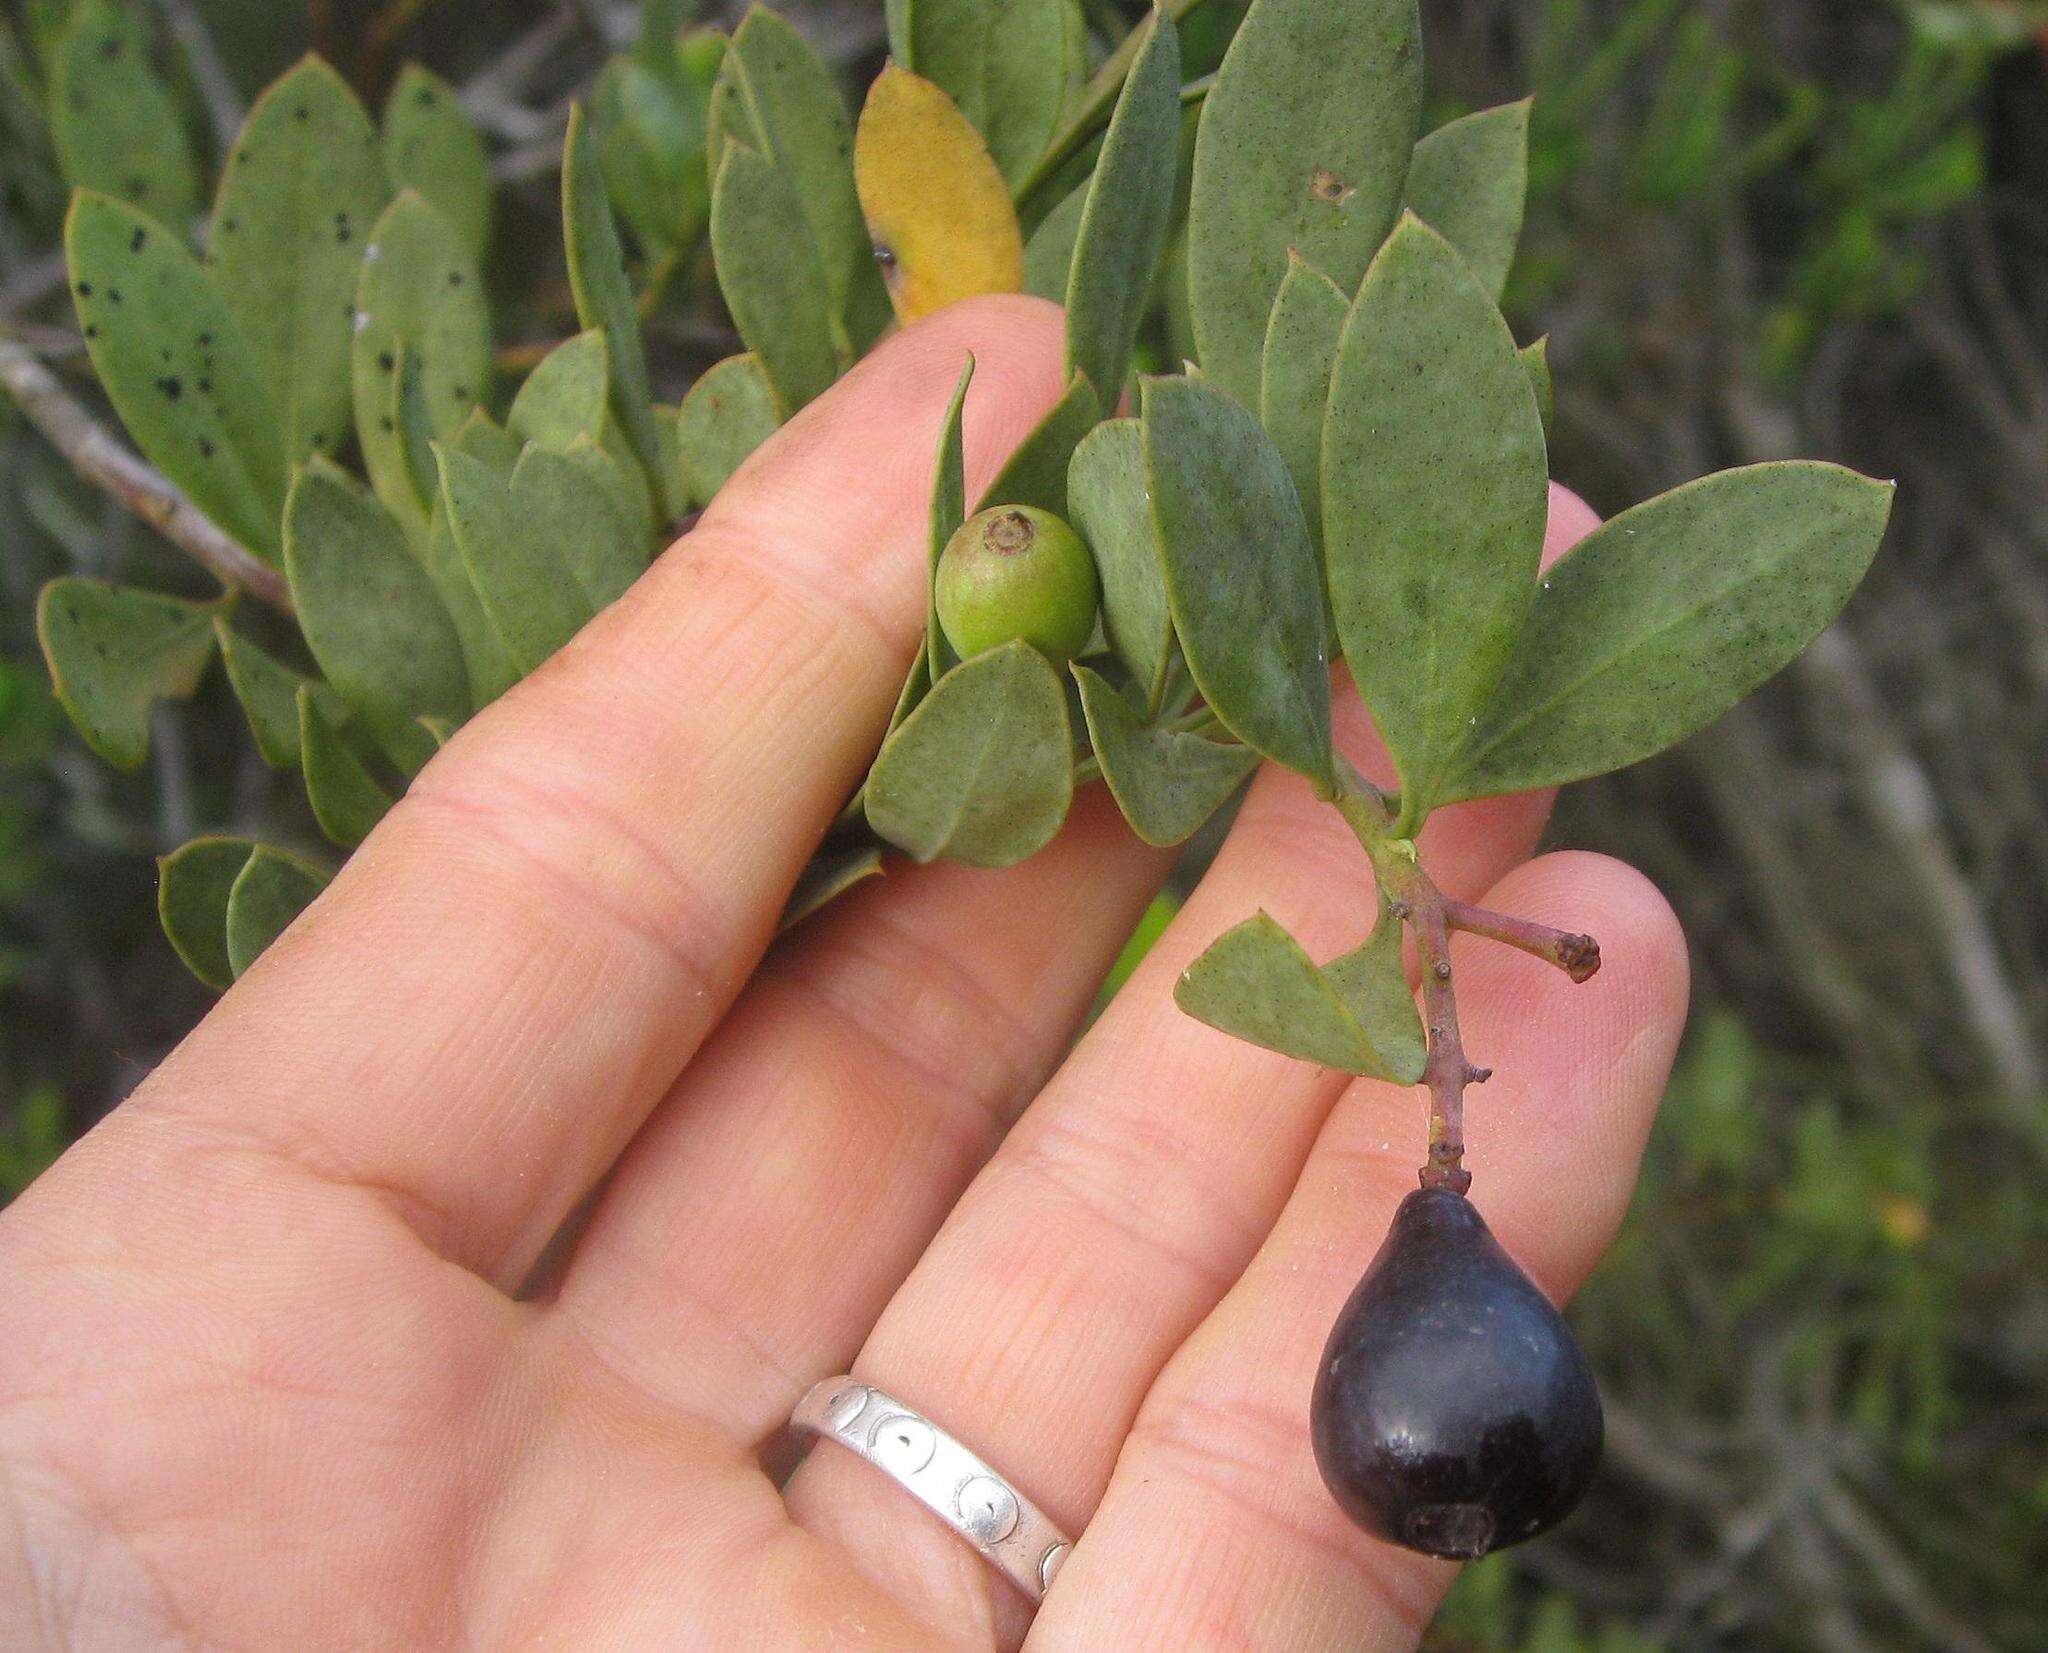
(1017, 572)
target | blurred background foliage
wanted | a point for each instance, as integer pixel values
(1756, 229)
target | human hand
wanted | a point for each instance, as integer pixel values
(274, 1368)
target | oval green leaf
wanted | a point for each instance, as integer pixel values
(1036, 472)
(983, 770)
(269, 692)
(1241, 575)
(1304, 144)
(1167, 782)
(432, 146)
(604, 294)
(303, 187)
(347, 799)
(113, 652)
(1294, 378)
(1435, 494)
(830, 875)
(370, 613)
(1257, 984)
(193, 883)
(1665, 617)
(564, 396)
(1469, 181)
(1372, 981)
(173, 360)
(726, 415)
(420, 292)
(534, 602)
(803, 120)
(768, 271)
(113, 122)
(1128, 210)
(273, 888)
(1106, 491)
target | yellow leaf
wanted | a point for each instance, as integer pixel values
(937, 207)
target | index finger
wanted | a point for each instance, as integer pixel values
(516, 965)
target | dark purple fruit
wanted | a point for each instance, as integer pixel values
(1453, 1411)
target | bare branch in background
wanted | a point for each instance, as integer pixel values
(102, 461)
(216, 86)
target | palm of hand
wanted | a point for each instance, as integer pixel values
(287, 1356)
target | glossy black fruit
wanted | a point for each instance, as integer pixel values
(1453, 1411)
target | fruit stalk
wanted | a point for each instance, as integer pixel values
(1414, 899)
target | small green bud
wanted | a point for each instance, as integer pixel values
(1016, 572)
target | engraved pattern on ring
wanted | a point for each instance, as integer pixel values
(971, 1497)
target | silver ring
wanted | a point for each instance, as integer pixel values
(1011, 1532)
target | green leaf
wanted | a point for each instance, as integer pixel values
(486, 441)
(726, 415)
(948, 510)
(1049, 254)
(1124, 225)
(1304, 144)
(174, 362)
(1435, 494)
(487, 664)
(1468, 181)
(649, 131)
(604, 294)
(1032, 67)
(269, 692)
(1167, 782)
(983, 770)
(576, 498)
(1011, 66)
(768, 271)
(273, 888)
(1536, 360)
(514, 562)
(370, 613)
(1669, 614)
(304, 184)
(1257, 984)
(113, 121)
(809, 136)
(1373, 983)
(830, 875)
(917, 683)
(420, 291)
(347, 799)
(415, 421)
(431, 146)
(564, 396)
(1294, 378)
(192, 887)
(113, 652)
(1106, 490)
(1241, 575)
(1036, 472)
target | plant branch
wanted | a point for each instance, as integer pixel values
(1577, 955)
(1413, 898)
(216, 86)
(102, 461)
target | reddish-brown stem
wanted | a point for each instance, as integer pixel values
(1578, 956)
(1413, 898)
(1447, 1070)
